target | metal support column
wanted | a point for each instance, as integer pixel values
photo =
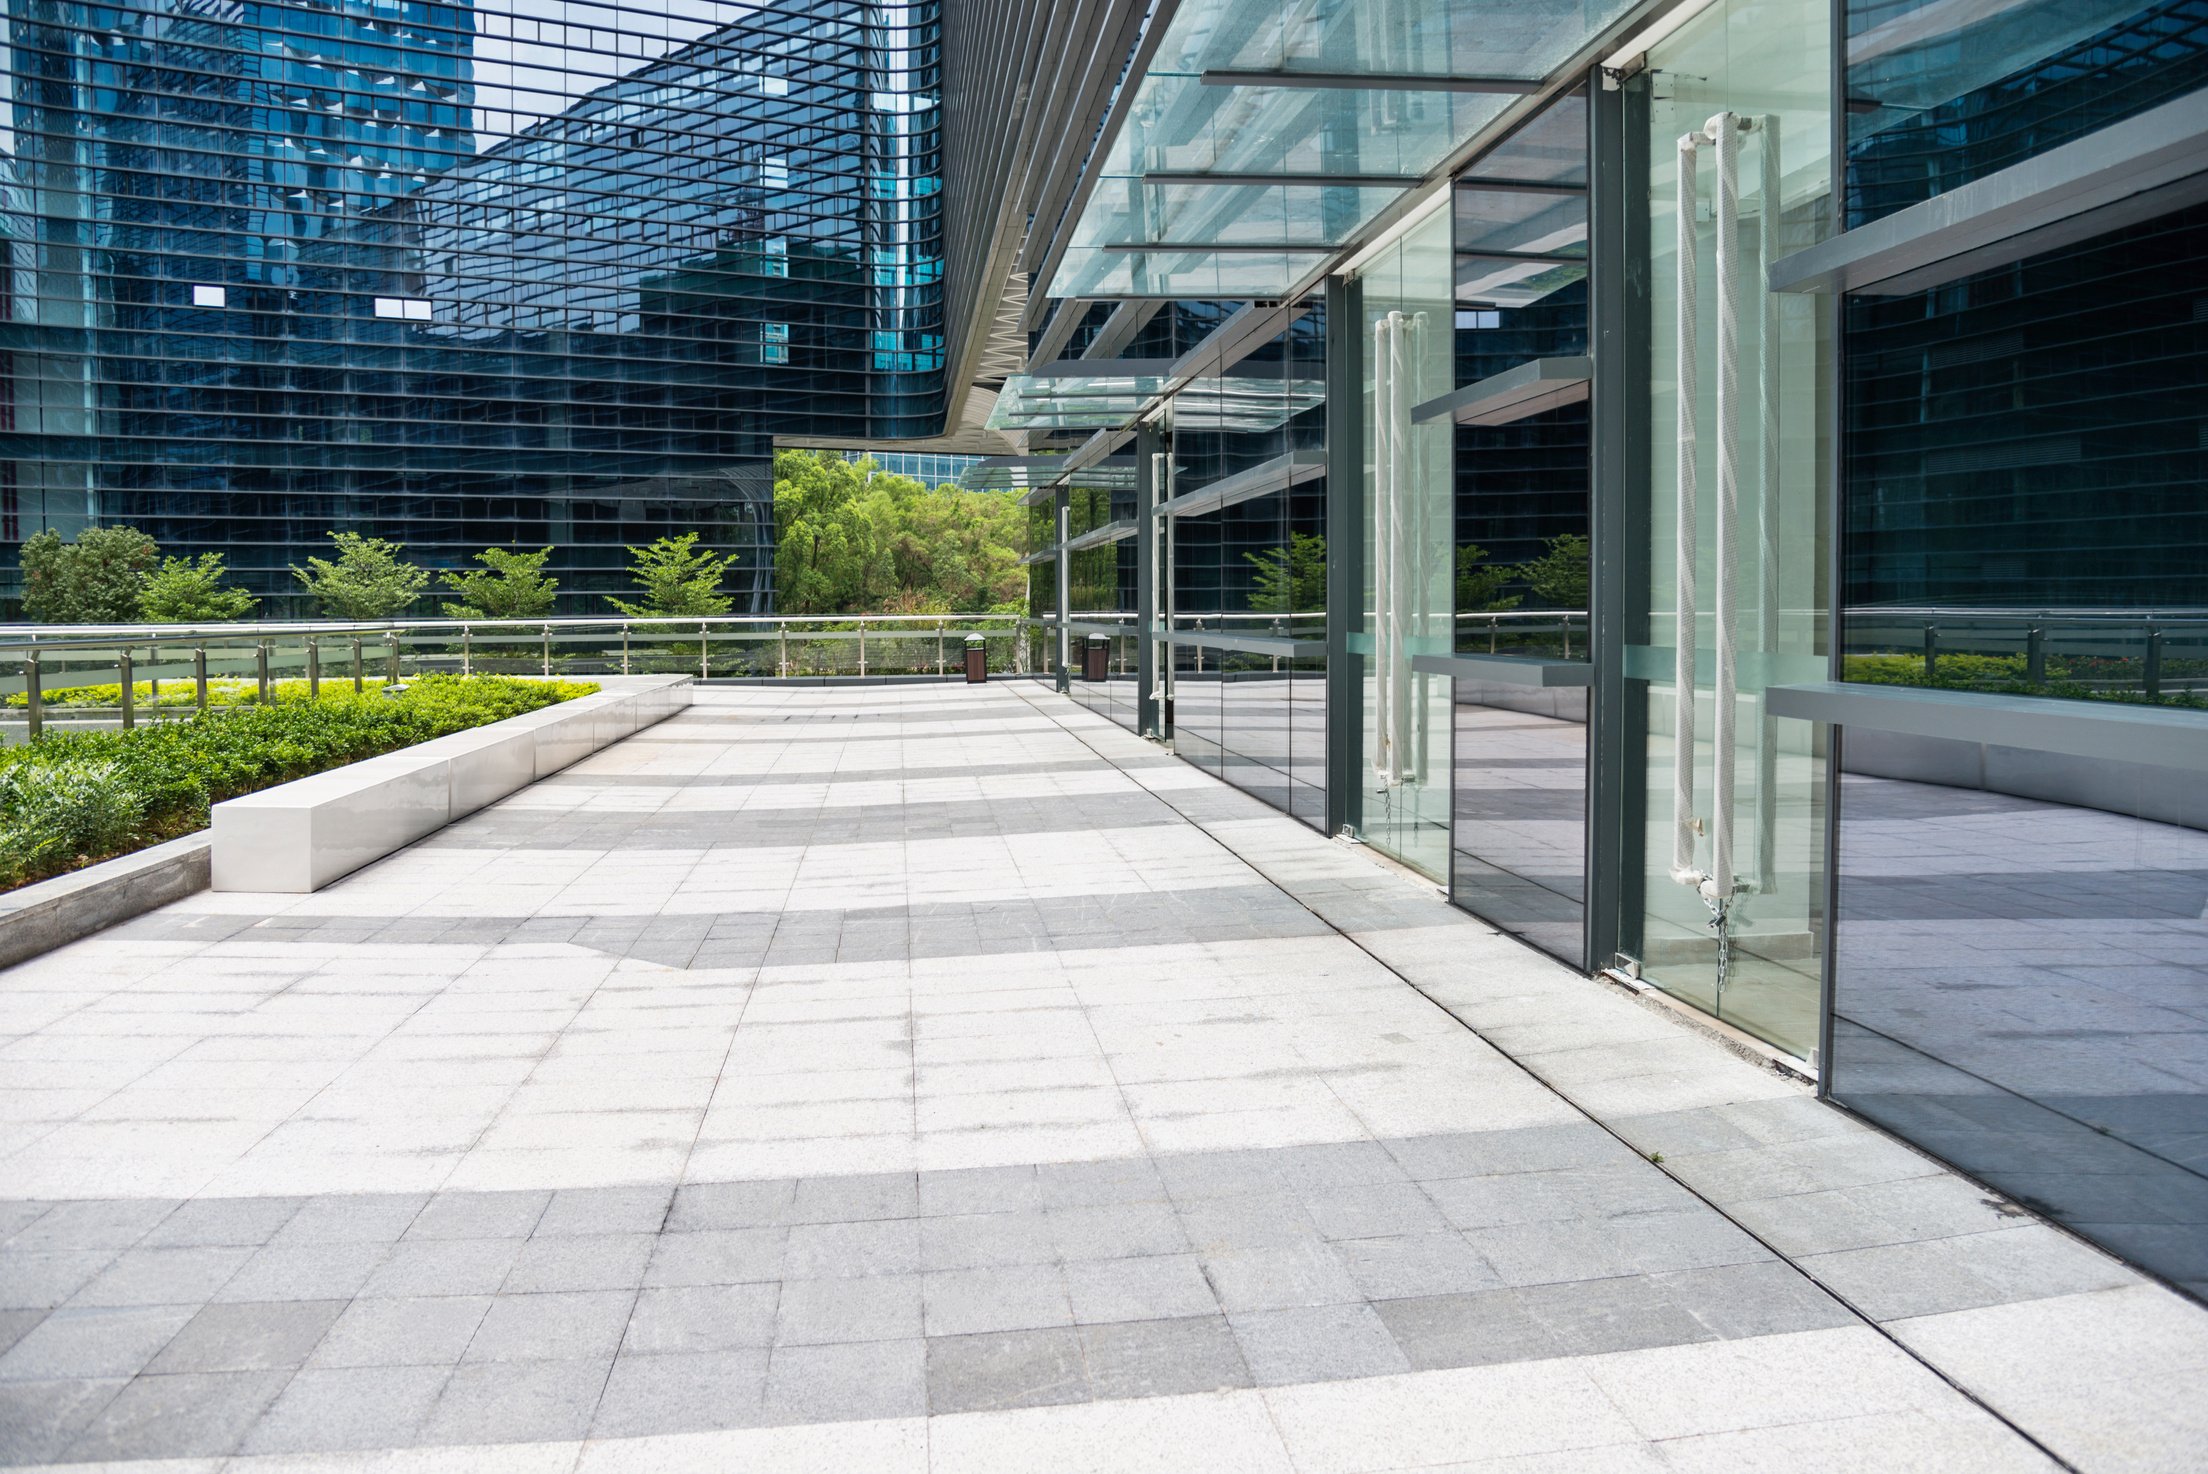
(1617, 718)
(1149, 442)
(1062, 525)
(1345, 562)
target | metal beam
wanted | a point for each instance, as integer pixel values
(1277, 474)
(1367, 81)
(2127, 172)
(1507, 670)
(1474, 184)
(2106, 731)
(1532, 388)
(1345, 562)
(1220, 248)
(1103, 368)
(1291, 180)
(1110, 532)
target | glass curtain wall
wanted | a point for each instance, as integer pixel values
(1246, 522)
(1102, 594)
(1519, 843)
(1407, 347)
(1738, 150)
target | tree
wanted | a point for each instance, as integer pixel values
(1290, 580)
(1560, 574)
(509, 585)
(1480, 588)
(853, 539)
(369, 580)
(678, 578)
(185, 591)
(94, 580)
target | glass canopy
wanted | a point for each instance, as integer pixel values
(1025, 473)
(1236, 402)
(1521, 212)
(1264, 135)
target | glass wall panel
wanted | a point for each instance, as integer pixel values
(1520, 853)
(1940, 94)
(2025, 464)
(1409, 597)
(1732, 851)
(2021, 980)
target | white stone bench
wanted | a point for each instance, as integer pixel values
(300, 836)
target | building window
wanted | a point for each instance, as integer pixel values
(411, 309)
(210, 296)
(775, 173)
(774, 342)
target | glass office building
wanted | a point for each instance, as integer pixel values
(1730, 505)
(460, 276)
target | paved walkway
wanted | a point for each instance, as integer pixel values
(936, 1078)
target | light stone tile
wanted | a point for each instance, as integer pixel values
(1154, 1434)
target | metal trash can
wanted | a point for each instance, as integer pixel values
(1096, 660)
(977, 660)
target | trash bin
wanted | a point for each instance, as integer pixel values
(1096, 661)
(977, 660)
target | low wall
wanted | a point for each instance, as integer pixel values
(302, 835)
(2164, 795)
(40, 917)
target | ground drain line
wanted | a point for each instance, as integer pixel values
(1892, 1340)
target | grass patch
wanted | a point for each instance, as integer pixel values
(73, 798)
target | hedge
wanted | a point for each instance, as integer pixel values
(72, 798)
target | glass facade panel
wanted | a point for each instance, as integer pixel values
(1940, 94)
(458, 275)
(1732, 850)
(1519, 854)
(2019, 982)
(2025, 463)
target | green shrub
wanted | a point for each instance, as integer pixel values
(56, 814)
(173, 771)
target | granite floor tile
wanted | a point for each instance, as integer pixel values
(248, 1337)
(1160, 1358)
(397, 1331)
(179, 1415)
(1005, 1369)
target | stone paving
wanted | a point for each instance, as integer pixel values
(939, 1078)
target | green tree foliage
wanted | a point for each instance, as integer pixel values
(852, 539)
(1290, 580)
(678, 578)
(368, 580)
(94, 580)
(1480, 585)
(1559, 575)
(191, 591)
(509, 585)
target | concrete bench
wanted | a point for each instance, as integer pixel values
(300, 836)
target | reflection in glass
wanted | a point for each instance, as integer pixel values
(1519, 855)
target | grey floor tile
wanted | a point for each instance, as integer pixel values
(607, 1261)
(727, 1256)
(1476, 1329)
(305, 1271)
(1166, 1287)
(1547, 1253)
(180, 1416)
(855, 1198)
(94, 1223)
(702, 1318)
(1319, 1343)
(88, 1343)
(443, 1267)
(364, 1218)
(1012, 1298)
(163, 1276)
(567, 1325)
(238, 1222)
(1247, 1221)
(479, 1215)
(1328, 1167)
(602, 1210)
(881, 1307)
(972, 1190)
(682, 1393)
(249, 1336)
(828, 1250)
(1624, 1314)
(348, 1408)
(722, 1205)
(1415, 1264)
(1117, 1231)
(1371, 1210)
(1100, 1184)
(518, 1402)
(1280, 1278)
(986, 1240)
(1006, 1369)
(1761, 1299)
(15, 1325)
(1687, 1238)
(873, 1379)
(398, 1331)
(1159, 1358)
(39, 1419)
(41, 1280)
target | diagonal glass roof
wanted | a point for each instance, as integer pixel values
(1263, 135)
(1025, 473)
(1236, 402)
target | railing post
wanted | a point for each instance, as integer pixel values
(260, 670)
(199, 678)
(782, 659)
(862, 649)
(1567, 637)
(357, 672)
(940, 668)
(548, 650)
(705, 658)
(122, 669)
(467, 652)
(2151, 677)
(2035, 655)
(391, 643)
(624, 649)
(1493, 626)
(34, 700)
(314, 668)
(1931, 651)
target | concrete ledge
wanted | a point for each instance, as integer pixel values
(300, 836)
(51, 913)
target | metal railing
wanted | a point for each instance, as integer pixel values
(2155, 653)
(50, 670)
